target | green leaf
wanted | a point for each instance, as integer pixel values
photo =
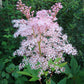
(4, 81)
(50, 61)
(33, 72)
(6, 60)
(57, 59)
(16, 75)
(3, 74)
(7, 36)
(53, 69)
(7, 69)
(73, 63)
(33, 48)
(46, 73)
(37, 63)
(34, 79)
(68, 71)
(10, 68)
(70, 75)
(29, 70)
(21, 80)
(63, 81)
(81, 73)
(1, 65)
(24, 56)
(62, 64)
(24, 73)
(7, 76)
(4, 43)
(52, 82)
(7, 29)
(74, 66)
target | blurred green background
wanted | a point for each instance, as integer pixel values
(70, 17)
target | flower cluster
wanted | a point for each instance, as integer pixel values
(44, 38)
(24, 9)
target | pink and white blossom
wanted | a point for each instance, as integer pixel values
(44, 38)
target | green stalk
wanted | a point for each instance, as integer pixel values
(39, 47)
(38, 42)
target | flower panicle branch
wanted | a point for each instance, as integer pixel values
(24, 9)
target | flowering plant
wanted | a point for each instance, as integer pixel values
(45, 44)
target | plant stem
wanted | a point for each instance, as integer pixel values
(38, 42)
(39, 47)
(34, 33)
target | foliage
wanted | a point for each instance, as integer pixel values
(30, 72)
(74, 74)
(8, 72)
(34, 73)
(70, 18)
